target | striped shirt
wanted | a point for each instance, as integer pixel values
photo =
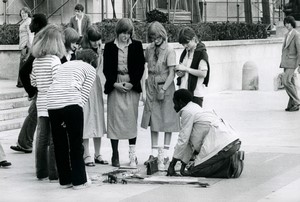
(41, 76)
(71, 85)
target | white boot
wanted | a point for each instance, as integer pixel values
(161, 165)
(132, 157)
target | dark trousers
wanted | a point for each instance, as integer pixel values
(26, 134)
(67, 131)
(198, 100)
(220, 165)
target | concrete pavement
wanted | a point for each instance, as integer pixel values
(270, 137)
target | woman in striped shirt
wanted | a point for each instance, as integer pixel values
(48, 48)
(66, 97)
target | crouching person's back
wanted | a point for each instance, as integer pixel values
(206, 146)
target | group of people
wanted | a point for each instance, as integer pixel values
(62, 78)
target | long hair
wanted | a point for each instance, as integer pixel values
(156, 29)
(71, 36)
(26, 10)
(49, 41)
(92, 34)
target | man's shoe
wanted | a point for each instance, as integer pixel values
(17, 148)
(5, 164)
(238, 163)
(293, 108)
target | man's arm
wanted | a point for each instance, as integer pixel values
(25, 77)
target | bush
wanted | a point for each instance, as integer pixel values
(156, 15)
(9, 34)
(205, 31)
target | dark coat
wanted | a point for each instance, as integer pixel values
(135, 62)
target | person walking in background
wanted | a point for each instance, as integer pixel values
(71, 84)
(93, 110)
(193, 68)
(48, 47)
(123, 68)
(3, 161)
(80, 22)
(206, 143)
(290, 60)
(159, 88)
(25, 38)
(25, 138)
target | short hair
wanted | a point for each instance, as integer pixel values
(186, 34)
(124, 25)
(71, 36)
(183, 95)
(49, 41)
(88, 56)
(79, 7)
(156, 29)
(26, 10)
(39, 21)
(291, 20)
(93, 33)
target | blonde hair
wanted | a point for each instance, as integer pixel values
(49, 41)
(156, 29)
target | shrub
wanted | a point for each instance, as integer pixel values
(205, 31)
(156, 15)
(9, 34)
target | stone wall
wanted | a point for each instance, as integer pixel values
(226, 61)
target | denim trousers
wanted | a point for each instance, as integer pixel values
(44, 151)
(2, 154)
(67, 130)
(27, 131)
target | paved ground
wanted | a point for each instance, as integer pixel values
(270, 137)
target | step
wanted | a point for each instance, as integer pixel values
(16, 93)
(11, 124)
(14, 103)
(13, 113)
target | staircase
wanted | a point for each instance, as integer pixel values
(13, 106)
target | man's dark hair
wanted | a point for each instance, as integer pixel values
(79, 7)
(291, 20)
(39, 21)
(183, 95)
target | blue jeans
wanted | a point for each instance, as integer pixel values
(26, 134)
(2, 154)
(44, 151)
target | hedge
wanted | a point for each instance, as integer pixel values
(205, 31)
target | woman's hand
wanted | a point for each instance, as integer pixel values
(121, 87)
(128, 85)
(161, 94)
(180, 73)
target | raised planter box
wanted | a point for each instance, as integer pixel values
(226, 61)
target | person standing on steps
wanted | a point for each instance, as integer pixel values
(25, 37)
(80, 22)
(123, 68)
(25, 138)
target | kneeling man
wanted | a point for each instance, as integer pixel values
(205, 143)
